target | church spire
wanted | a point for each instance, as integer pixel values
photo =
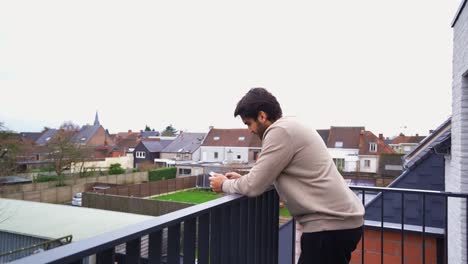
(96, 120)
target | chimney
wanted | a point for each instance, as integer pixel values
(417, 135)
(381, 137)
(431, 131)
(129, 131)
(210, 127)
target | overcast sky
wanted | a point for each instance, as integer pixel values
(385, 65)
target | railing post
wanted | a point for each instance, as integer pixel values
(132, 251)
(235, 229)
(203, 239)
(243, 231)
(215, 239)
(173, 244)
(190, 229)
(155, 247)
(106, 256)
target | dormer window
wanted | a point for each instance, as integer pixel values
(241, 138)
(373, 147)
(338, 144)
(216, 138)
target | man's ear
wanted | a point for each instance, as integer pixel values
(262, 116)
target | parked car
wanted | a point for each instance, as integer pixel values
(76, 201)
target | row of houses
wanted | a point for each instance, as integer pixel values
(354, 149)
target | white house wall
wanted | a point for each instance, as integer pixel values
(374, 163)
(351, 157)
(196, 156)
(456, 176)
(236, 151)
(208, 153)
(126, 162)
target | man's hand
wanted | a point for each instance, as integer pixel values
(216, 182)
(233, 175)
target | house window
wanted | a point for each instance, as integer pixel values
(140, 154)
(185, 171)
(241, 138)
(367, 163)
(216, 155)
(373, 147)
(216, 138)
(339, 163)
(238, 157)
(338, 144)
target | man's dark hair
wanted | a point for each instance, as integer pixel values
(256, 100)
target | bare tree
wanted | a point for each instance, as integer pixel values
(69, 126)
(9, 148)
(62, 153)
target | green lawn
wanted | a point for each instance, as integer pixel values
(190, 196)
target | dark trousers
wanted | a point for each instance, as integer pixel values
(329, 247)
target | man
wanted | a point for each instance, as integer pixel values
(295, 159)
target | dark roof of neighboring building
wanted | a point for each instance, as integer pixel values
(426, 171)
(155, 145)
(429, 174)
(46, 136)
(369, 137)
(324, 133)
(30, 135)
(407, 139)
(185, 142)
(85, 134)
(348, 135)
(236, 137)
(147, 134)
(441, 134)
(459, 11)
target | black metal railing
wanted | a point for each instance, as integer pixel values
(231, 229)
(416, 224)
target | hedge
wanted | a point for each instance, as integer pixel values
(45, 178)
(162, 174)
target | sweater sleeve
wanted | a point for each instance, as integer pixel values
(275, 156)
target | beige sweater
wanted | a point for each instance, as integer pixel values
(295, 159)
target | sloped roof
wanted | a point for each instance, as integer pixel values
(127, 143)
(147, 134)
(459, 11)
(428, 174)
(30, 135)
(46, 136)
(348, 135)
(408, 139)
(426, 171)
(324, 133)
(369, 137)
(85, 134)
(185, 142)
(441, 134)
(156, 145)
(236, 137)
